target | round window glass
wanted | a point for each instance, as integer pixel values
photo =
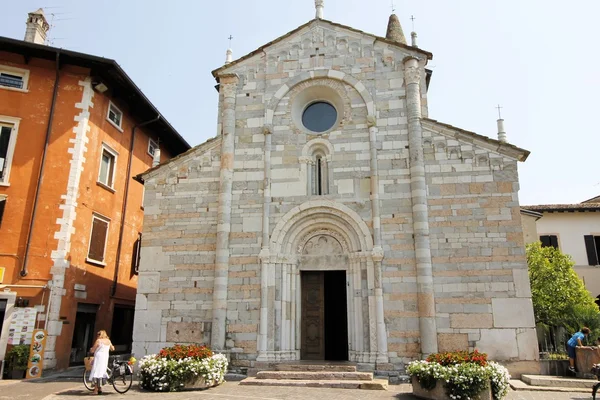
(319, 117)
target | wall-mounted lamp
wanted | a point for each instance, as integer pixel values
(100, 87)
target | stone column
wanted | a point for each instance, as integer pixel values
(228, 85)
(382, 355)
(264, 253)
(418, 186)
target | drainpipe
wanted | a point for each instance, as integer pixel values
(113, 287)
(24, 271)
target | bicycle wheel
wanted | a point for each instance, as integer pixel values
(87, 381)
(122, 378)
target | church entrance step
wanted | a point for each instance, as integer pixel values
(316, 367)
(316, 375)
(558, 381)
(375, 384)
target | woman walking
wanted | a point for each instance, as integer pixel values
(100, 350)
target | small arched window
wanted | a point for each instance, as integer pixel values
(320, 171)
(316, 157)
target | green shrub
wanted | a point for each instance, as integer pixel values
(18, 356)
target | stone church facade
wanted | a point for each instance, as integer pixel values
(332, 219)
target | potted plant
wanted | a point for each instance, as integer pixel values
(17, 360)
(459, 375)
(182, 366)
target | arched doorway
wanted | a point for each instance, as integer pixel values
(320, 254)
(323, 309)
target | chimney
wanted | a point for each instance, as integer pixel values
(501, 131)
(413, 37)
(37, 27)
(319, 5)
(156, 158)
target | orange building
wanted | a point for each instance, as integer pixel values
(74, 130)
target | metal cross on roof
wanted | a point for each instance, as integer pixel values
(499, 108)
(230, 38)
(412, 18)
(393, 7)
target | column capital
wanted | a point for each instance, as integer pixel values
(264, 255)
(371, 121)
(227, 79)
(305, 160)
(377, 253)
(412, 70)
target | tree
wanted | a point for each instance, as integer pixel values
(558, 294)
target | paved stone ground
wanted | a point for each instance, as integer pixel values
(232, 391)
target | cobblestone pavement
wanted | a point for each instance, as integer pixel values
(232, 391)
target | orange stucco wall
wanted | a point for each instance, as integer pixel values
(33, 108)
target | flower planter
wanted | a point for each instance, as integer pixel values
(439, 393)
(200, 384)
(162, 374)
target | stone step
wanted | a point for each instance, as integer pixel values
(558, 381)
(376, 384)
(316, 367)
(516, 385)
(316, 375)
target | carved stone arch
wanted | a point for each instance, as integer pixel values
(338, 245)
(327, 214)
(308, 75)
(318, 142)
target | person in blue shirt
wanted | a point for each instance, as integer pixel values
(575, 342)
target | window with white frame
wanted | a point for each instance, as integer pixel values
(108, 162)
(152, 146)
(13, 78)
(9, 128)
(98, 239)
(114, 116)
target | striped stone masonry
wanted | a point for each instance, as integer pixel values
(423, 217)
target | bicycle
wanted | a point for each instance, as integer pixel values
(120, 375)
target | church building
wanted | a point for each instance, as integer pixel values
(332, 219)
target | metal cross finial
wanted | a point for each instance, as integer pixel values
(393, 7)
(499, 114)
(230, 38)
(412, 18)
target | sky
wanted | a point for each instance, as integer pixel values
(538, 59)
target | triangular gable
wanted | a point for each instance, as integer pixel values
(181, 158)
(258, 51)
(462, 135)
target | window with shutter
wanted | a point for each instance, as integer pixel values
(549, 241)
(12, 78)
(135, 255)
(2, 205)
(592, 244)
(98, 237)
(5, 132)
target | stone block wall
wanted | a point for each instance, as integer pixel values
(174, 296)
